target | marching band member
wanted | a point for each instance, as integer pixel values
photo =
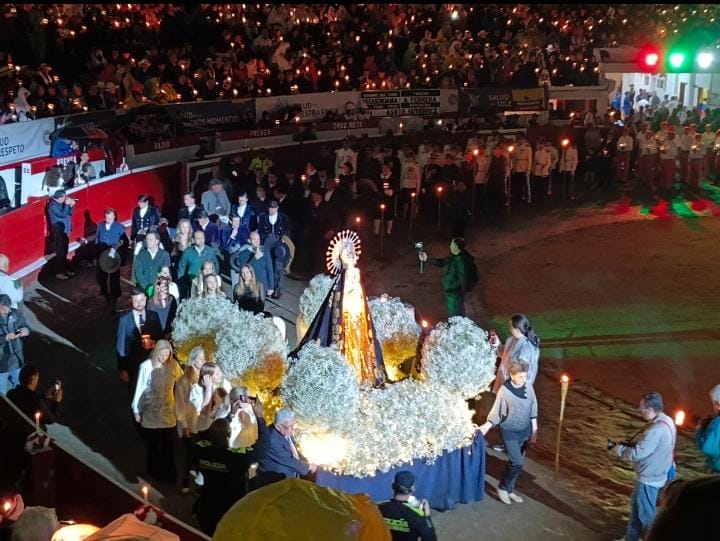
(668, 155)
(624, 149)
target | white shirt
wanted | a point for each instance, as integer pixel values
(143, 211)
(136, 317)
(241, 210)
(272, 218)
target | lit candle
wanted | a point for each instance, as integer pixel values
(37, 421)
(564, 385)
(679, 417)
(145, 492)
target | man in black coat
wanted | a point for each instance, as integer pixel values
(190, 211)
(144, 217)
(273, 225)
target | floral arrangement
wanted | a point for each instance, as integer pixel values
(251, 350)
(321, 388)
(398, 334)
(196, 323)
(376, 437)
(457, 356)
(197, 317)
(313, 296)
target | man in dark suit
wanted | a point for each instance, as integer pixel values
(273, 225)
(144, 217)
(131, 348)
(190, 211)
(245, 211)
(211, 230)
(281, 459)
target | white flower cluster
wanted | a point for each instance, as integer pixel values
(321, 388)
(313, 296)
(196, 317)
(245, 341)
(391, 318)
(458, 357)
(409, 420)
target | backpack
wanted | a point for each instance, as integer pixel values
(472, 277)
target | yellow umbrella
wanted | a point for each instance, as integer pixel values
(297, 510)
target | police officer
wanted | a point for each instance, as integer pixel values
(407, 518)
(224, 470)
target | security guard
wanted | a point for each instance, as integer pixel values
(407, 519)
(224, 470)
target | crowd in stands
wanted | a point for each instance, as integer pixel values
(69, 58)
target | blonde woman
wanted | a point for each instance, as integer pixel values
(154, 408)
(249, 293)
(212, 287)
(185, 412)
(198, 283)
(182, 240)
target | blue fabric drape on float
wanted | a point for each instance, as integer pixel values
(455, 477)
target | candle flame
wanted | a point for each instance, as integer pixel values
(565, 378)
(145, 491)
(6, 506)
(679, 417)
(424, 324)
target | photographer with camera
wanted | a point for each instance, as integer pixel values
(707, 433)
(459, 275)
(651, 451)
(12, 329)
(60, 212)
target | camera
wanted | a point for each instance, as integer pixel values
(419, 245)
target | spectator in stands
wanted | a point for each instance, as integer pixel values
(249, 293)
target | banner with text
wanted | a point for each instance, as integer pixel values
(410, 102)
(311, 107)
(25, 140)
(483, 100)
(214, 115)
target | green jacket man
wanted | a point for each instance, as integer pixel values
(455, 275)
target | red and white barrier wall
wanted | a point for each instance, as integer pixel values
(24, 231)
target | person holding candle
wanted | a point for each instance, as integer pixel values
(622, 159)
(153, 406)
(515, 411)
(43, 408)
(696, 159)
(668, 154)
(185, 412)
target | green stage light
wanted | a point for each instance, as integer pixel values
(704, 59)
(677, 60)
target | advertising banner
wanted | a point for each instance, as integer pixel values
(481, 100)
(410, 102)
(215, 115)
(309, 107)
(24, 140)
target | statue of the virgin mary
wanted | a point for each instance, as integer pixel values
(344, 317)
